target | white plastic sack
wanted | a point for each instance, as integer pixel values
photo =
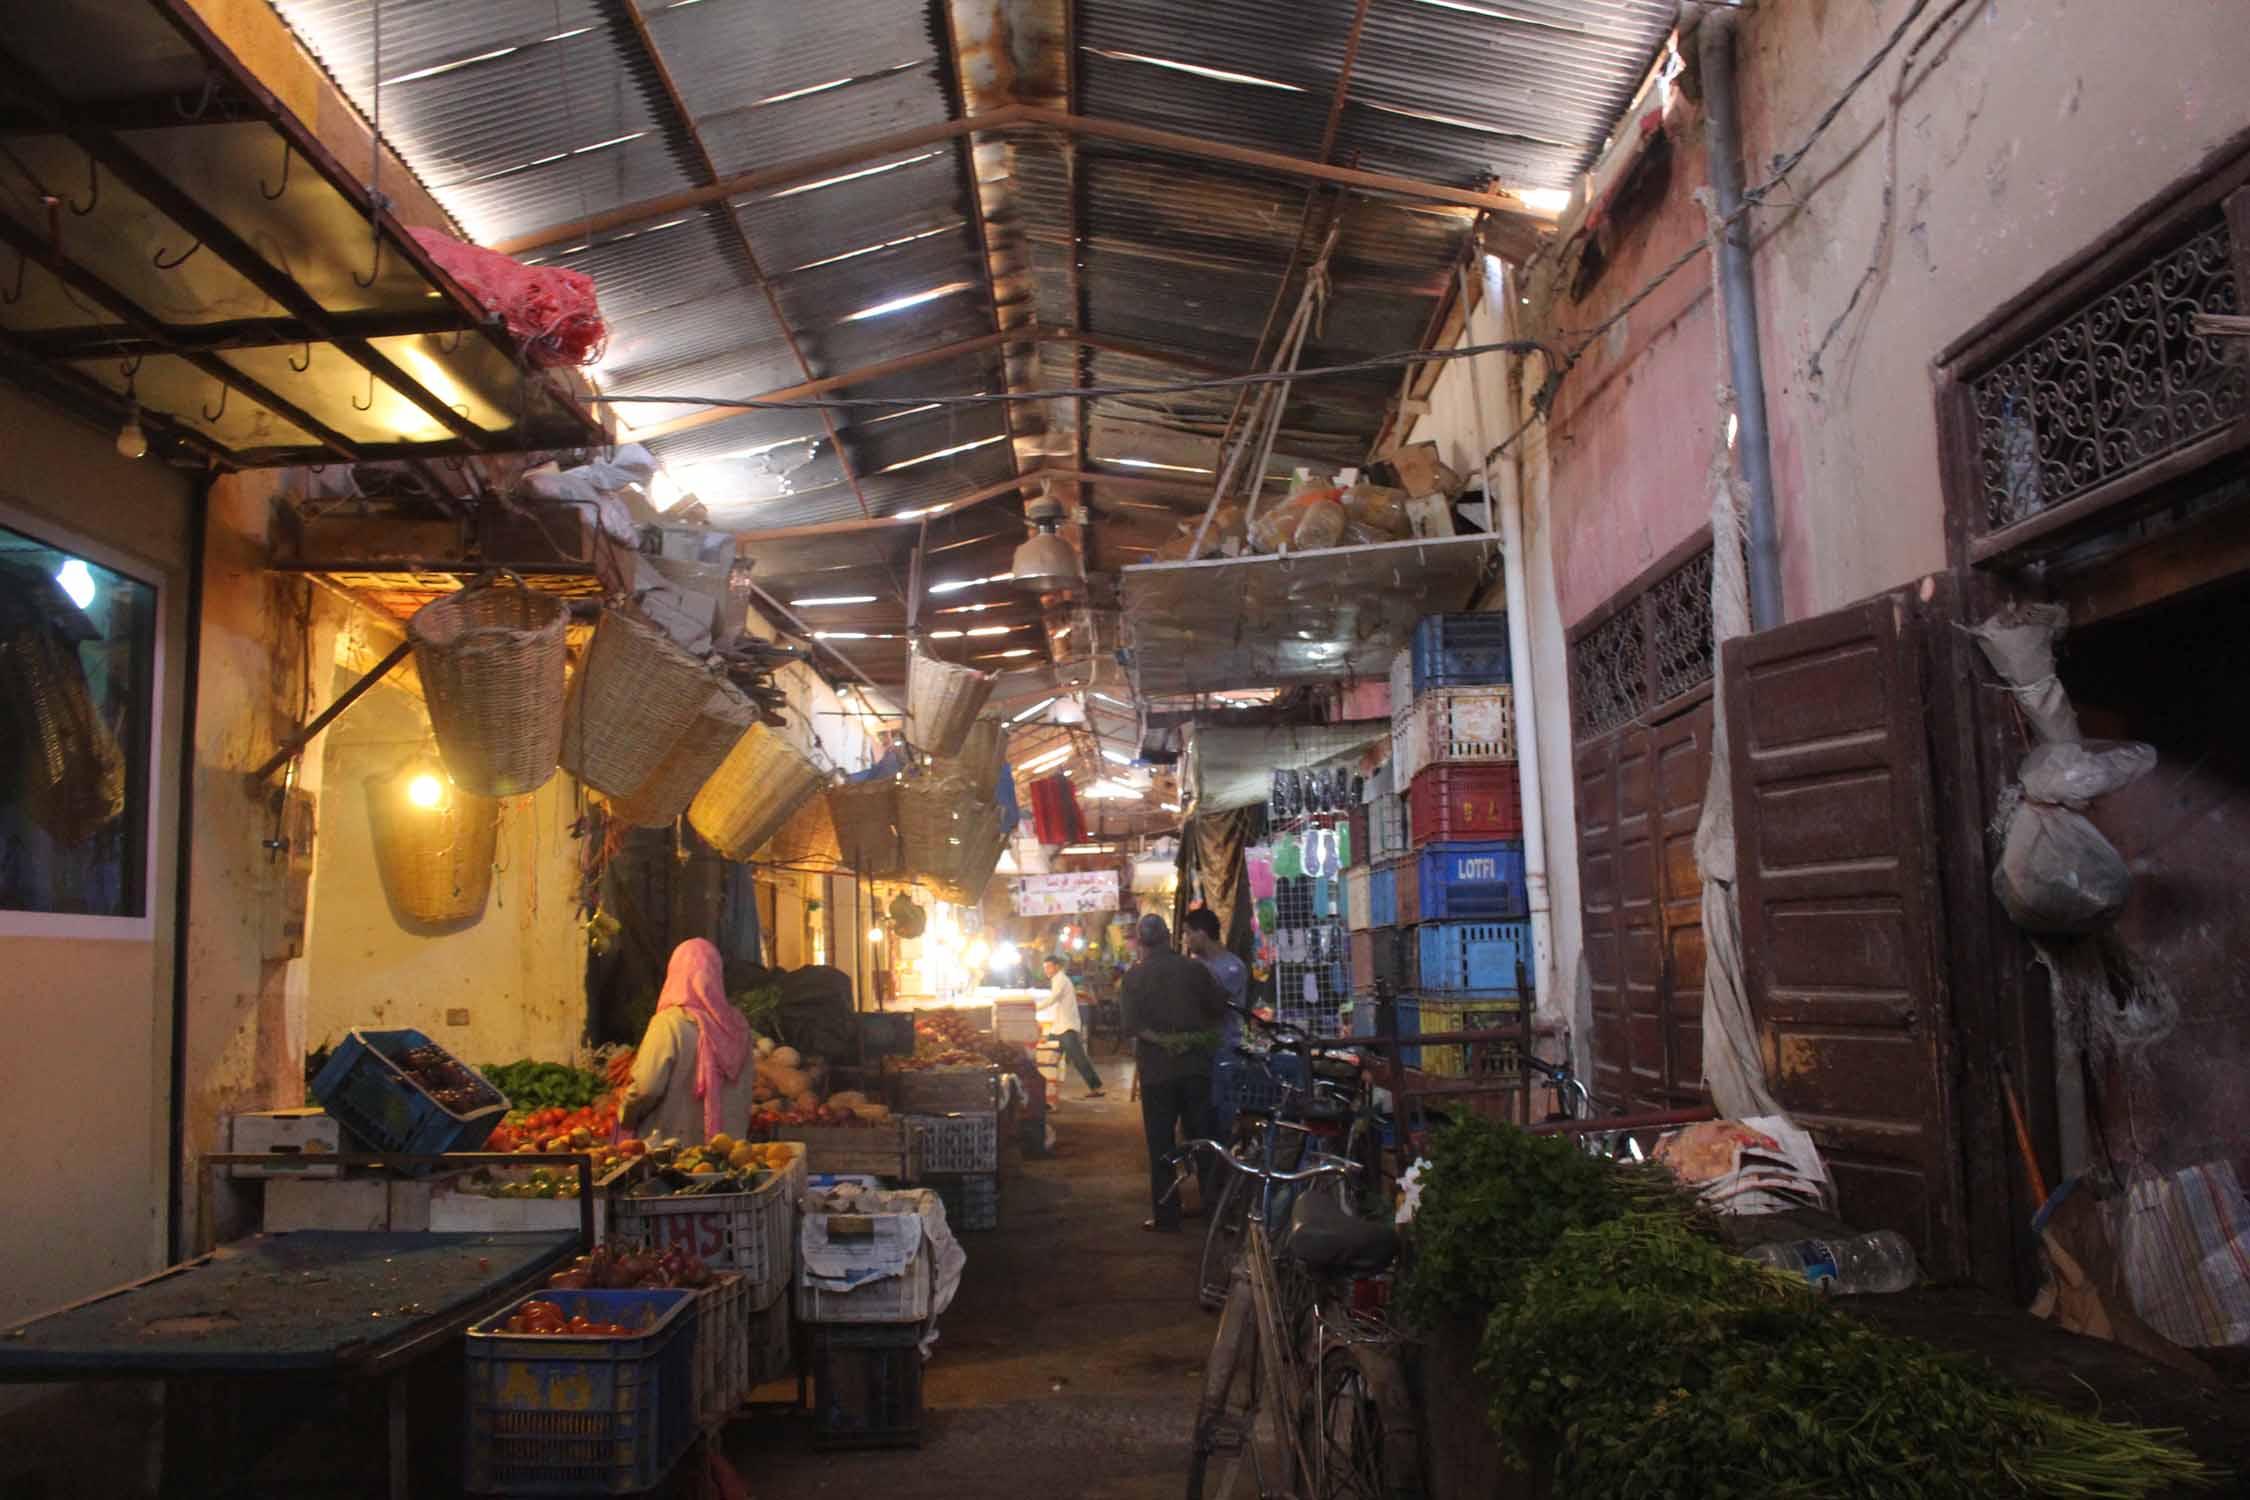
(2073, 773)
(2057, 875)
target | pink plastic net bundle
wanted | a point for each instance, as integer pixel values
(552, 312)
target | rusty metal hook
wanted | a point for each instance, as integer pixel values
(272, 195)
(93, 189)
(369, 403)
(172, 265)
(375, 273)
(455, 347)
(224, 391)
(301, 368)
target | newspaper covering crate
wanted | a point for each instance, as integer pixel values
(951, 1144)
(1450, 725)
(903, 1297)
(886, 1150)
(772, 1352)
(867, 1386)
(377, 1100)
(944, 1091)
(753, 1233)
(1359, 898)
(287, 1131)
(550, 1414)
(722, 1347)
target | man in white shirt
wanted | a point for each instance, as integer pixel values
(1058, 1017)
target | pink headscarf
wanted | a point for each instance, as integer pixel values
(696, 983)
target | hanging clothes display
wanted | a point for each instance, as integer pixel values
(1055, 817)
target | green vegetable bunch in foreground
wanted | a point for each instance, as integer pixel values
(1627, 1348)
(538, 1085)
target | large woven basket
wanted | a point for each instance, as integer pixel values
(762, 781)
(806, 837)
(942, 701)
(933, 816)
(983, 751)
(868, 835)
(726, 717)
(976, 858)
(435, 862)
(491, 661)
(636, 694)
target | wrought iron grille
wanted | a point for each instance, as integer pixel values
(1655, 647)
(2113, 385)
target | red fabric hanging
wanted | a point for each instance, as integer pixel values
(1054, 811)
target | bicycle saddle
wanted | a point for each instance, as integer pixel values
(1324, 1235)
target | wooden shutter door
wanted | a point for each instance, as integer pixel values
(1841, 931)
(1596, 774)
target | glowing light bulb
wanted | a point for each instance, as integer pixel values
(76, 581)
(131, 441)
(875, 934)
(424, 791)
(1005, 954)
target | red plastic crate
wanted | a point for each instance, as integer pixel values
(1452, 802)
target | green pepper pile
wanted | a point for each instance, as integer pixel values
(538, 1085)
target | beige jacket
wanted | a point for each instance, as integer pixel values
(660, 1096)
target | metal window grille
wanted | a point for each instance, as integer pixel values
(2111, 385)
(1655, 646)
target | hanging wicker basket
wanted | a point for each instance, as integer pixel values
(726, 717)
(983, 751)
(974, 858)
(806, 838)
(636, 695)
(753, 794)
(868, 836)
(435, 862)
(942, 702)
(491, 661)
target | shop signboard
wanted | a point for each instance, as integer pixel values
(1066, 895)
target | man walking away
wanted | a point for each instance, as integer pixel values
(1172, 1007)
(1058, 1017)
(1201, 935)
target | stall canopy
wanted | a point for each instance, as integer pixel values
(1341, 614)
(1233, 767)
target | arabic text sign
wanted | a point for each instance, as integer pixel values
(1067, 894)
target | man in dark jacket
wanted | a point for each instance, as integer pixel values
(1172, 1006)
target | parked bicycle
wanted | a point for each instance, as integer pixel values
(1305, 1394)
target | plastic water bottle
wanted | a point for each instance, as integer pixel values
(1878, 1261)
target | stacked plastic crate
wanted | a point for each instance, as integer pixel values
(1456, 892)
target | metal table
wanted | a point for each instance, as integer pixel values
(315, 1304)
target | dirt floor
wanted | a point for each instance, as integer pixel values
(1068, 1363)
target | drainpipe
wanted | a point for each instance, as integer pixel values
(1722, 123)
(1542, 974)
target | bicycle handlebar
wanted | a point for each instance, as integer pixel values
(1323, 1165)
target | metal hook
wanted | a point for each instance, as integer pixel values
(202, 105)
(369, 403)
(11, 298)
(213, 416)
(288, 150)
(301, 368)
(375, 273)
(172, 265)
(93, 188)
(455, 347)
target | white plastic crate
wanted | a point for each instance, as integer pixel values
(1402, 681)
(1389, 830)
(722, 1348)
(754, 1233)
(954, 1144)
(1357, 881)
(1454, 724)
(294, 1132)
(904, 1298)
(1016, 1021)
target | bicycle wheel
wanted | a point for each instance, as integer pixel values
(1359, 1428)
(1223, 1464)
(1222, 1241)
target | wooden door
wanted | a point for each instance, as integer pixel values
(1841, 928)
(1682, 753)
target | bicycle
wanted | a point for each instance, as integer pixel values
(1302, 1343)
(1574, 1101)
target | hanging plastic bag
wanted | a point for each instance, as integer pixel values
(2073, 773)
(2184, 1240)
(550, 311)
(2057, 874)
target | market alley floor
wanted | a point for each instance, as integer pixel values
(1069, 1361)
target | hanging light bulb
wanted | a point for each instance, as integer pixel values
(425, 791)
(131, 441)
(875, 934)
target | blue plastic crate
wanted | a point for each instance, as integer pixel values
(1470, 958)
(1254, 1084)
(550, 1414)
(1365, 1022)
(1480, 881)
(1468, 650)
(370, 1095)
(1382, 896)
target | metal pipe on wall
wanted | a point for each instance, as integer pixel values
(1722, 125)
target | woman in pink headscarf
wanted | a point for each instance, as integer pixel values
(692, 1076)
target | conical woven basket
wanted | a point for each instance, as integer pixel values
(754, 792)
(636, 694)
(976, 857)
(942, 701)
(435, 862)
(806, 837)
(868, 835)
(491, 662)
(726, 717)
(983, 751)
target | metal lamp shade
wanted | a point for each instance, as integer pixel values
(1046, 561)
